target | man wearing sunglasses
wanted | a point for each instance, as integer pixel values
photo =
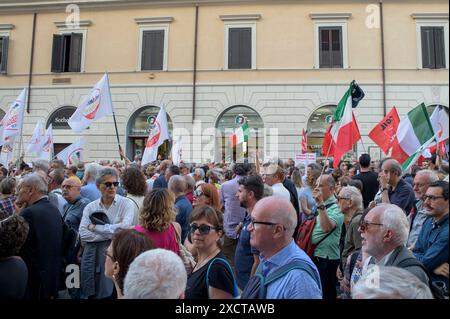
(384, 231)
(432, 245)
(120, 213)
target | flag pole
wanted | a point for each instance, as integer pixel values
(114, 118)
(21, 128)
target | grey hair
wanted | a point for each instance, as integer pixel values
(383, 282)
(190, 181)
(107, 171)
(36, 181)
(395, 167)
(200, 172)
(394, 218)
(177, 184)
(331, 182)
(355, 196)
(155, 274)
(92, 169)
(432, 176)
(41, 165)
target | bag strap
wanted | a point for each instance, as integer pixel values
(177, 235)
(329, 233)
(134, 202)
(235, 293)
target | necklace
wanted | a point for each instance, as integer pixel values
(205, 261)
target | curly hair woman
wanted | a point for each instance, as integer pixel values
(13, 271)
(157, 219)
(136, 186)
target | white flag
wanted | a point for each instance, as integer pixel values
(6, 154)
(47, 144)
(158, 134)
(177, 150)
(35, 142)
(72, 154)
(11, 124)
(439, 121)
(97, 105)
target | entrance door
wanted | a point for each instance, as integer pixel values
(138, 147)
(58, 147)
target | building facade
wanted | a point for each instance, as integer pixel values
(284, 65)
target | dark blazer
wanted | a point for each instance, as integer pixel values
(42, 249)
(399, 255)
(289, 185)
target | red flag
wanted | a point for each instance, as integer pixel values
(304, 142)
(233, 140)
(383, 134)
(328, 143)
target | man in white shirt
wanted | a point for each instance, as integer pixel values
(273, 175)
(96, 237)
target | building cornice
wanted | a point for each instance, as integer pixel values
(142, 21)
(6, 27)
(430, 16)
(82, 23)
(330, 16)
(240, 17)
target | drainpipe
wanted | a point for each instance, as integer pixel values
(30, 73)
(194, 80)
(383, 64)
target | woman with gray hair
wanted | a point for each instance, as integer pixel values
(381, 282)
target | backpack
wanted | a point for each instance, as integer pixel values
(439, 292)
(235, 293)
(257, 285)
(304, 235)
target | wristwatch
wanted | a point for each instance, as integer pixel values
(384, 189)
(321, 207)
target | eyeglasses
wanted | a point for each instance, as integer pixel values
(345, 198)
(110, 184)
(431, 197)
(203, 229)
(364, 225)
(108, 255)
(255, 222)
(67, 186)
(199, 194)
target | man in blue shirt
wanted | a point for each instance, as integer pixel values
(161, 181)
(251, 190)
(272, 225)
(432, 245)
(394, 190)
(90, 190)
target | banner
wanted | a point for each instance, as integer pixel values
(47, 144)
(11, 124)
(35, 142)
(158, 134)
(305, 158)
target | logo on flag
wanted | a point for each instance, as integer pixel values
(155, 135)
(93, 105)
(74, 157)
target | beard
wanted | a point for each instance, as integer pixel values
(243, 204)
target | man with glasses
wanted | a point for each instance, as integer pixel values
(418, 215)
(432, 245)
(384, 231)
(272, 225)
(120, 213)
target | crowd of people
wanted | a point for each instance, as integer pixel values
(122, 230)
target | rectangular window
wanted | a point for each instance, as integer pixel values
(153, 50)
(67, 51)
(330, 47)
(3, 54)
(240, 48)
(433, 47)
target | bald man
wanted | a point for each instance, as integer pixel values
(394, 190)
(272, 225)
(73, 210)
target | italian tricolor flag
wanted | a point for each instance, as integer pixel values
(414, 135)
(241, 135)
(345, 131)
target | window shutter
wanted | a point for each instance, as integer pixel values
(439, 47)
(233, 49)
(76, 43)
(4, 55)
(57, 53)
(428, 60)
(153, 50)
(324, 48)
(245, 48)
(336, 45)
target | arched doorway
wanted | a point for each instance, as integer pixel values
(228, 123)
(59, 121)
(138, 129)
(317, 126)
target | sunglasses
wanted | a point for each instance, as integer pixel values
(67, 186)
(110, 184)
(202, 229)
(199, 194)
(364, 225)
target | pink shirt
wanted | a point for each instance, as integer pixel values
(165, 239)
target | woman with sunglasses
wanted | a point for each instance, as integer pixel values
(157, 220)
(206, 194)
(125, 246)
(212, 277)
